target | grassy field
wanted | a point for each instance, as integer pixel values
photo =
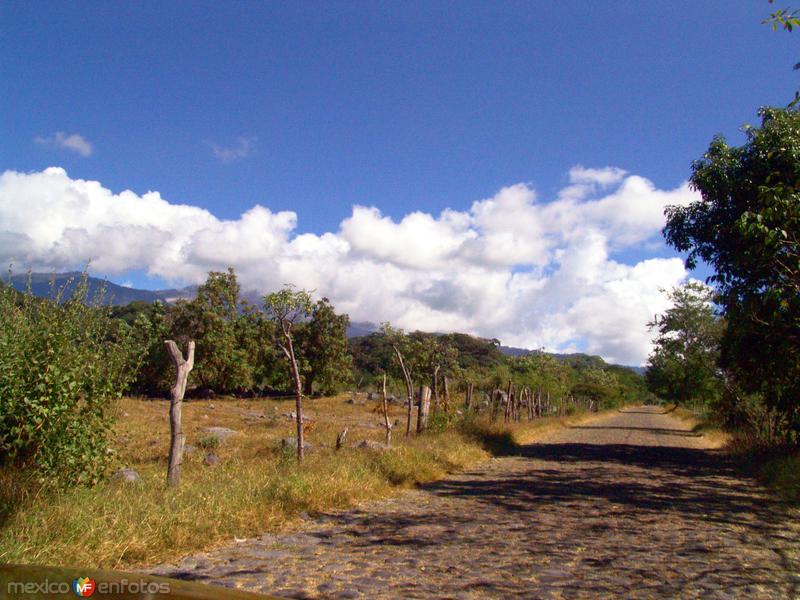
(257, 486)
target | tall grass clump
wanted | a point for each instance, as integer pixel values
(61, 365)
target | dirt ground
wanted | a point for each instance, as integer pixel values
(631, 505)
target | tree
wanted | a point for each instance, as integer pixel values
(211, 320)
(61, 367)
(787, 19)
(286, 307)
(323, 345)
(683, 365)
(747, 227)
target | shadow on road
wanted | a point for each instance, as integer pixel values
(655, 430)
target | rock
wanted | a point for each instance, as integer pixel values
(189, 448)
(354, 401)
(125, 414)
(372, 445)
(127, 475)
(221, 433)
(211, 406)
(252, 414)
(291, 442)
(211, 460)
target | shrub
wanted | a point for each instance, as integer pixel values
(61, 365)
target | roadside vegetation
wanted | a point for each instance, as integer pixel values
(85, 425)
(257, 486)
(731, 349)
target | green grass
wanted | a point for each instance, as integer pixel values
(257, 486)
(783, 474)
(776, 467)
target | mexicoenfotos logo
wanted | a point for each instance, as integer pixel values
(83, 587)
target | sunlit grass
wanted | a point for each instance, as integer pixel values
(256, 487)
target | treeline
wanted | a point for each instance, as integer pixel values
(735, 347)
(236, 351)
(62, 364)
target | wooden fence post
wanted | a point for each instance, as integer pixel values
(446, 395)
(424, 408)
(386, 422)
(182, 370)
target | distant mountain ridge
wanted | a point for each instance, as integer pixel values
(52, 285)
(48, 285)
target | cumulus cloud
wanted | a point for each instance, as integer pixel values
(531, 272)
(73, 141)
(242, 149)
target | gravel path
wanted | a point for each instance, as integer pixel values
(631, 505)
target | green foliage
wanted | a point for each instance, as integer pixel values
(208, 442)
(61, 366)
(683, 364)
(747, 227)
(212, 320)
(322, 343)
(787, 19)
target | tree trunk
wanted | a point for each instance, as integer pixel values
(386, 422)
(446, 395)
(288, 349)
(424, 408)
(409, 389)
(182, 369)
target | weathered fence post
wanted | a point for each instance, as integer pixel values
(386, 422)
(435, 387)
(468, 397)
(507, 414)
(182, 369)
(341, 438)
(446, 395)
(424, 408)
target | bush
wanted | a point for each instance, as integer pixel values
(61, 365)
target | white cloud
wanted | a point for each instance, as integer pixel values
(75, 142)
(243, 148)
(530, 272)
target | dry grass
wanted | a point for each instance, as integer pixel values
(714, 436)
(256, 487)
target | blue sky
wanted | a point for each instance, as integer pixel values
(413, 106)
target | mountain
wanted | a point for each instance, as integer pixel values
(573, 358)
(52, 285)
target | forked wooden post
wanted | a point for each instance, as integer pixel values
(182, 369)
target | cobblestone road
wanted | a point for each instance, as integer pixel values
(632, 505)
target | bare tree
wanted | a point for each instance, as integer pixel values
(182, 369)
(409, 387)
(286, 307)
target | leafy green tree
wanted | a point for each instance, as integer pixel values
(286, 308)
(322, 343)
(786, 19)
(683, 364)
(61, 367)
(747, 227)
(211, 320)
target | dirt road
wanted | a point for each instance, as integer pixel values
(632, 505)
